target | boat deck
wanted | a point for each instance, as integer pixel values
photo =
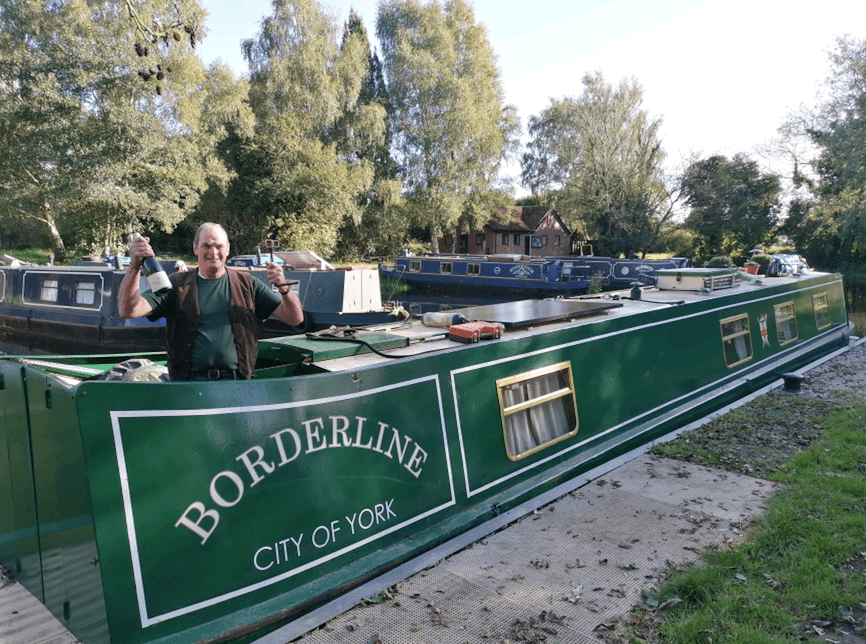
(520, 318)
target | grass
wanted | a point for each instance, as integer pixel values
(799, 576)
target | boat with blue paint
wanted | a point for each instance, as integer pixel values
(520, 276)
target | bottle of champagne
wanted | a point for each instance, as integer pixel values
(156, 277)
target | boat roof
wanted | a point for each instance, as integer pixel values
(412, 338)
(519, 318)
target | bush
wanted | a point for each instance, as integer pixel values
(719, 260)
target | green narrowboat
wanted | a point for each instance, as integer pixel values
(180, 512)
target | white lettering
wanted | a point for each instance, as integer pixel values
(327, 536)
(418, 457)
(361, 519)
(341, 430)
(259, 462)
(256, 558)
(298, 542)
(358, 431)
(279, 441)
(195, 526)
(395, 440)
(382, 428)
(218, 498)
(352, 522)
(313, 434)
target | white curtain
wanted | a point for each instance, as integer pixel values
(539, 424)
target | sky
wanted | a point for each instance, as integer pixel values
(721, 74)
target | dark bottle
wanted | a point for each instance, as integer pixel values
(156, 277)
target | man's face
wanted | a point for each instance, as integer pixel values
(212, 251)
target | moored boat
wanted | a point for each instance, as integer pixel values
(329, 296)
(73, 309)
(519, 276)
(202, 511)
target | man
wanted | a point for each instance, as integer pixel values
(211, 314)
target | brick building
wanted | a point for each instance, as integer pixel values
(520, 230)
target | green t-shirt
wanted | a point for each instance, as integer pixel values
(215, 344)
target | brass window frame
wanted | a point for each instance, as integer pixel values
(446, 267)
(506, 412)
(747, 333)
(825, 307)
(473, 269)
(781, 318)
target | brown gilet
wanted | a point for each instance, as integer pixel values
(180, 328)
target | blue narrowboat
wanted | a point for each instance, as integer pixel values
(521, 275)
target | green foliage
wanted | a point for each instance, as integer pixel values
(734, 206)
(451, 127)
(602, 155)
(829, 226)
(97, 138)
(677, 241)
(720, 260)
(307, 168)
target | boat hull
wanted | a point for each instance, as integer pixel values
(193, 511)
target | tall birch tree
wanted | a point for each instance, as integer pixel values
(452, 128)
(301, 174)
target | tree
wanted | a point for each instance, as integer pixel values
(452, 129)
(734, 206)
(601, 154)
(829, 226)
(383, 226)
(98, 131)
(299, 177)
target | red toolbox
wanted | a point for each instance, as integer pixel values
(471, 332)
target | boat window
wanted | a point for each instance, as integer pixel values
(48, 290)
(415, 267)
(445, 267)
(822, 310)
(85, 293)
(736, 340)
(538, 409)
(473, 269)
(786, 323)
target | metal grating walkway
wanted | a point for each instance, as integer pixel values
(569, 568)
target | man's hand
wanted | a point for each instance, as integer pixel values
(277, 276)
(139, 250)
